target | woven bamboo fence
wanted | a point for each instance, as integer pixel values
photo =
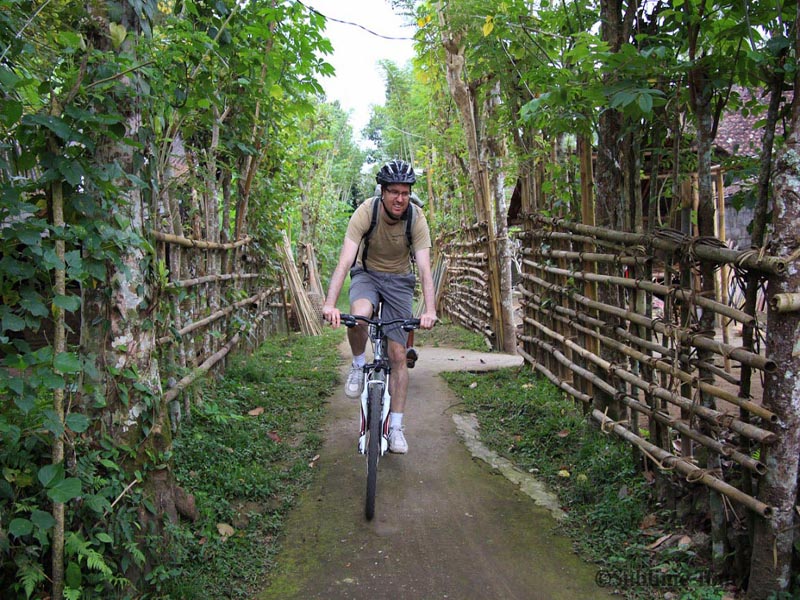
(464, 294)
(677, 386)
(220, 296)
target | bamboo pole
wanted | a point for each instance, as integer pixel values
(310, 323)
(594, 257)
(660, 364)
(208, 278)
(708, 414)
(694, 381)
(785, 302)
(587, 241)
(692, 473)
(685, 429)
(559, 383)
(201, 369)
(722, 274)
(473, 271)
(212, 317)
(696, 340)
(638, 284)
(59, 346)
(750, 260)
(192, 243)
(476, 255)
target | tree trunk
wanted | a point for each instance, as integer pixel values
(479, 177)
(610, 204)
(771, 564)
(495, 152)
(59, 346)
(122, 393)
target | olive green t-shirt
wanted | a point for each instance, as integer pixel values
(388, 247)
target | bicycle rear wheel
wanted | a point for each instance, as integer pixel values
(373, 448)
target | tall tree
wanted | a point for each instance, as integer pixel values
(772, 559)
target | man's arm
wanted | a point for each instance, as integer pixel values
(346, 257)
(428, 318)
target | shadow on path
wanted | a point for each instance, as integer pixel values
(446, 524)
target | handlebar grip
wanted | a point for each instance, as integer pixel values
(347, 320)
(411, 324)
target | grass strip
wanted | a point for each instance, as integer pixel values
(246, 455)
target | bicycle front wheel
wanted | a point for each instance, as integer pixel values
(375, 397)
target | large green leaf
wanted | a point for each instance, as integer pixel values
(77, 422)
(42, 519)
(10, 112)
(19, 527)
(67, 362)
(68, 303)
(49, 475)
(65, 490)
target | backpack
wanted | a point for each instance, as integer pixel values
(374, 221)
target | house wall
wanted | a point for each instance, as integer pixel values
(736, 224)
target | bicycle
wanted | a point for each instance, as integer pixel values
(375, 399)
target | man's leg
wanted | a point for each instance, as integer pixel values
(357, 336)
(398, 385)
(363, 296)
(398, 388)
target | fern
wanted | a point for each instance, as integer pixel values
(75, 545)
(30, 575)
(72, 593)
(94, 560)
(136, 554)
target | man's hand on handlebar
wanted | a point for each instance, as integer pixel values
(427, 320)
(332, 315)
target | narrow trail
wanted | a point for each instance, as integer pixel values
(446, 524)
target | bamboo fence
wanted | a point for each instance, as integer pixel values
(683, 411)
(675, 389)
(463, 283)
(213, 308)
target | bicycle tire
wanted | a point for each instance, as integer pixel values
(373, 448)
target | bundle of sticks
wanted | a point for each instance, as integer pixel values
(307, 315)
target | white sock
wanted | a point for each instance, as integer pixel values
(360, 360)
(395, 420)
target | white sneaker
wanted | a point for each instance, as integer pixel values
(355, 382)
(397, 441)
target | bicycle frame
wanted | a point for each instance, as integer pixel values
(376, 375)
(375, 399)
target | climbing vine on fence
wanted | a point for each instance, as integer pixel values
(122, 121)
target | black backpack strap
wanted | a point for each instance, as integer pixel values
(368, 234)
(412, 211)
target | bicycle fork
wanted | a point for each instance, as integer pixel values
(385, 406)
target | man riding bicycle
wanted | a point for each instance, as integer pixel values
(376, 252)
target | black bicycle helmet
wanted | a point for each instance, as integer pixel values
(396, 171)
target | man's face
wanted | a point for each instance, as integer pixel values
(395, 198)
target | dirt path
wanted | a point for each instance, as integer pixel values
(446, 524)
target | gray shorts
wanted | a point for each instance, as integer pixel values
(397, 292)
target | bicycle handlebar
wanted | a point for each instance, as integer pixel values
(352, 321)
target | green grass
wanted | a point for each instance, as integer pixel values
(246, 470)
(530, 422)
(449, 335)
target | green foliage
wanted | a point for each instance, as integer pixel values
(71, 82)
(606, 498)
(101, 541)
(246, 469)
